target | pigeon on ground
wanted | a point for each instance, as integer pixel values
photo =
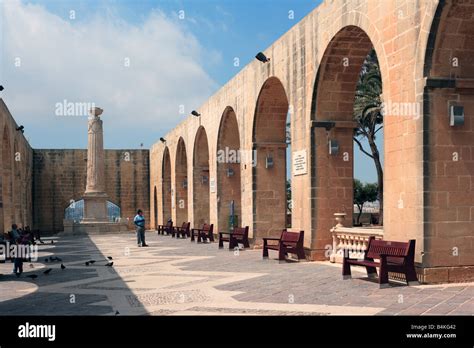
(47, 271)
(117, 312)
(110, 257)
(110, 264)
(87, 263)
(32, 276)
(62, 266)
(52, 241)
(46, 260)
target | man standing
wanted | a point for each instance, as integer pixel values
(139, 222)
(16, 240)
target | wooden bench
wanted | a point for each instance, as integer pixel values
(168, 228)
(289, 242)
(206, 232)
(394, 257)
(183, 230)
(239, 235)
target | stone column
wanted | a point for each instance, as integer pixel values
(95, 198)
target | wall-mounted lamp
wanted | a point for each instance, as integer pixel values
(333, 147)
(195, 113)
(21, 129)
(163, 140)
(1, 88)
(261, 57)
(269, 162)
(230, 172)
(456, 115)
(204, 179)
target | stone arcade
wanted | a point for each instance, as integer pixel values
(428, 196)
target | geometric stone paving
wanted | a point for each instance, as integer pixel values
(177, 277)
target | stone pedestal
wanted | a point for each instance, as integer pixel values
(86, 228)
(95, 208)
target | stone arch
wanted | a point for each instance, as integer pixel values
(364, 22)
(181, 183)
(448, 169)
(18, 192)
(166, 186)
(269, 171)
(201, 194)
(229, 171)
(333, 101)
(7, 181)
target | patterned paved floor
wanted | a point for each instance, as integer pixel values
(177, 277)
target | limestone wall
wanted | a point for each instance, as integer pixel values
(427, 197)
(16, 162)
(59, 176)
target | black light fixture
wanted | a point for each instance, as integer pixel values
(261, 57)
(195, 113)
(163, 140)
(1, 88)
(21, 129)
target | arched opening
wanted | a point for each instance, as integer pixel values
(7, 182)
(201, 193)
(269, 171)
(449, 141)
(335, 108)
(155, 207)
(75, 211)
(181, 183)
(228, 172)
(166, 186)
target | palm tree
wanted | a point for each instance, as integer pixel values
(369, 116)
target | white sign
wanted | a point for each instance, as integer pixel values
(300, 166)
(212, 184)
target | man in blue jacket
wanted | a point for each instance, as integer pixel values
(139, 222)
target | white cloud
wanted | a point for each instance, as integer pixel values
(84, 62)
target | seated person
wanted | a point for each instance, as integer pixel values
(27, 236)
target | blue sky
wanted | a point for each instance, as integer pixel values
(230, 28)
(80, 59)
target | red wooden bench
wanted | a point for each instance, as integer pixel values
(206, 232)
(183, 230)
(289, 242)
(239, 235)
(394, 257)
(168, 228)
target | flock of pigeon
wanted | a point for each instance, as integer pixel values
(52, 259)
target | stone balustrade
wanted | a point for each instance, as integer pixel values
(353, 240)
